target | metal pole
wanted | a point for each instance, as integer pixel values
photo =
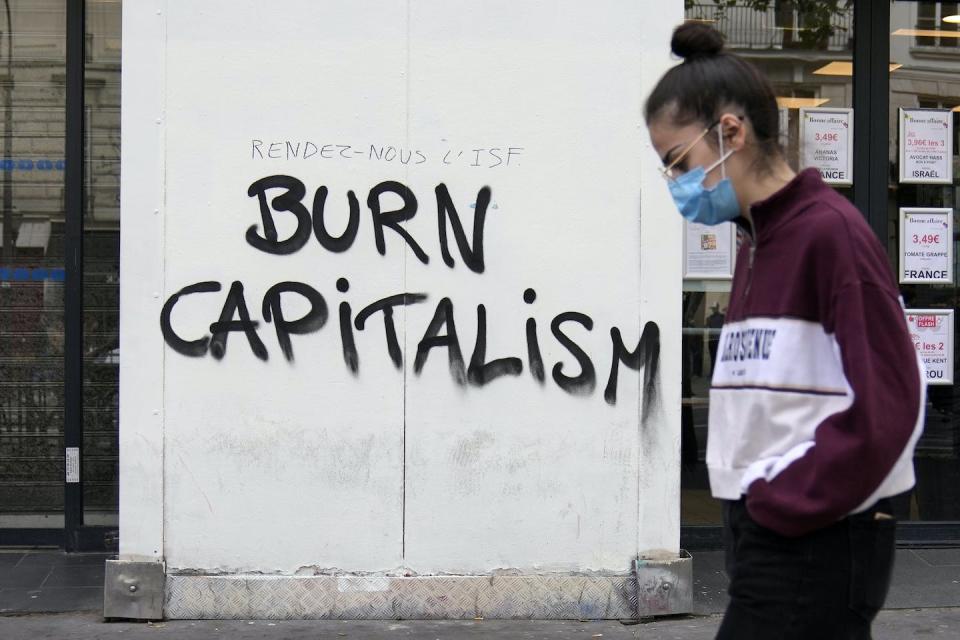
(73, 292)
(871, 86)
(8, 143)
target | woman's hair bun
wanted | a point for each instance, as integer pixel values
(696, 39)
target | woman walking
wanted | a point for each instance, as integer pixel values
(817, 397)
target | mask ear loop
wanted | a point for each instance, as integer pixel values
(723, 156)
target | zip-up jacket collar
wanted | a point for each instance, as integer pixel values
(817, 397)
(805, 189)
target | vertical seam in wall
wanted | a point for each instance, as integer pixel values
(640, 311)
(162, 139)
(403, 461)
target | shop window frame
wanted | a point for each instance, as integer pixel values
(75, 536)
(871, 176)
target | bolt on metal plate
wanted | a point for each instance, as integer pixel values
(133, 590)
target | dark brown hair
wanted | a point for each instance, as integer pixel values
(710, 79)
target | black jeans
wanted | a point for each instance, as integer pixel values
(825, 585)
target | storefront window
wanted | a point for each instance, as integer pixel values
(32, 91)
(33, 464)
(920, 233)
(808, 57)
(101, 264)
(933, 31)
(924, 105)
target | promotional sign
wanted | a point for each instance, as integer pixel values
(932, 333)
(926, 245)
(926, 146)
(709, 251)
(826, 142)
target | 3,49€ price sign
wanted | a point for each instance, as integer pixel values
(826, 137)
(932, 333)
(926, 245)
(926, 146)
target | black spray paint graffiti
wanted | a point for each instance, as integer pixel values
(441, 333)
(293, 150)
(291, 200)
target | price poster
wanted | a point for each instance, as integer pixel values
(926, 146)
(932, 333)
(926, 245)
(826, 142)
(709, 251)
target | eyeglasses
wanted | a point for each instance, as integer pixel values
(670, 172)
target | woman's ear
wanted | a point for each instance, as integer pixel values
(734, 131)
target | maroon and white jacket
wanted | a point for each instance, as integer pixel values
(818, 394)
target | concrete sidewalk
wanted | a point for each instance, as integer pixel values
(53, 595)
(891, 625)
(57, 582)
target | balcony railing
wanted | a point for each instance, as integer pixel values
(776, 27)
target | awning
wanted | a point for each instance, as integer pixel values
(34, 235)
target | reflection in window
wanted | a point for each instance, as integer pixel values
(32, 102)
(808, 58)
(934, 19)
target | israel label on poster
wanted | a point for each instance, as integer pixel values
(826, 141)
(926, 245)
(932, 333)
(926, 146)
(709, 251)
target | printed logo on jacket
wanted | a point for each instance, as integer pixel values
(749, 344)
(773, 352)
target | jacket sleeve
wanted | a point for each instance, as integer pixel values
(853, 451)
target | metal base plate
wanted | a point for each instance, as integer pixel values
(658, 588)
(133, 590)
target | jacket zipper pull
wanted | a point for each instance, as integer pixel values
(753, 249)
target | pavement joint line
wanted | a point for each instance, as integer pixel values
(920, 557)
(47, 577)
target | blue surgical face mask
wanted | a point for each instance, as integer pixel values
(699, 204)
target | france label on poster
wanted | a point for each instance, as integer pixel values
(932, 333)
(709, 251)
(926, 245)
(926, 146)
(826, 141)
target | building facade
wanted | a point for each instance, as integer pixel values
(61, 433)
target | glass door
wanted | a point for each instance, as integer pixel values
(32, 90)
(59, 272)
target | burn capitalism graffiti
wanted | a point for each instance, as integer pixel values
(286, 195)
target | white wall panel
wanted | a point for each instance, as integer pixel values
(280, 465)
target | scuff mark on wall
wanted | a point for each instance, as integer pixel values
(468, 450)
(195, 481)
